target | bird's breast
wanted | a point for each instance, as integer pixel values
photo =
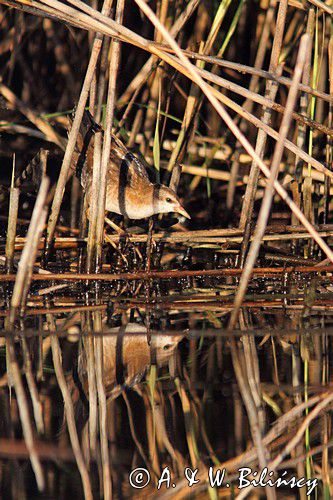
(134, 202)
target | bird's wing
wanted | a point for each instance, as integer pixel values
(131, 170)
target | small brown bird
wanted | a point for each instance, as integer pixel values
(127, 356)
(129, 190)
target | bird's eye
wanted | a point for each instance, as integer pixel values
(167, 347)
(168, 200)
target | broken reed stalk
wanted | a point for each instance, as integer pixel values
(16, 378)
(175, 177)
(69, 412)
(29, 254)
(269, 190)
(66, 163)
(12, 223)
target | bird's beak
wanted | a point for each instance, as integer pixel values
(181, 210)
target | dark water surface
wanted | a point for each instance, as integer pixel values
(129, 383)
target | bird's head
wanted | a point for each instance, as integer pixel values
(166, 200)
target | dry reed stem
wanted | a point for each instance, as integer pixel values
(138, 41)
(93, 202)
(242, 139)
(66, 163)
(322, 6)
(218, 236)
(110, 28)
(136, 440)
(143, 74)
(15, 448)
(255, 121)
(12, 223)
(28, 257)
(278, 428)
(110, 105)
(256, 71)
(261, 51)
(102, 80)
(248, 202)
(301, 133)
(269, 190)
(247, 207)
(250, 456)
(36, 403)
(253, 374)
(41, 124)
(221, 175)
(175, 177)
(92, 390)
(98, 351)
(296, 439)
(256, 432)
(70, 417)
(262, 100)
(145, 275)
(252, 405)
(22, 403)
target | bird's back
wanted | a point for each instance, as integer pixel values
(128, 186)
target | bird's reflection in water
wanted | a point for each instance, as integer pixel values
(127, 355)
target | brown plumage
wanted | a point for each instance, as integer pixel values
(129, 190)
(127, 355)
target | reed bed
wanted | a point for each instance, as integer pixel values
(166, 344)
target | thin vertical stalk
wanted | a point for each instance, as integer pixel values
(247, 207)
(66, 163)
(93, 202)
(329, 145)
(90, 353)
(28, 257)
(143, 74)
(304, 100)
(70, 417)
(12, 223)
(248, 203)
(24, 414)
(99, 365)
(36, 403)
(269, 190)
(113, 69)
